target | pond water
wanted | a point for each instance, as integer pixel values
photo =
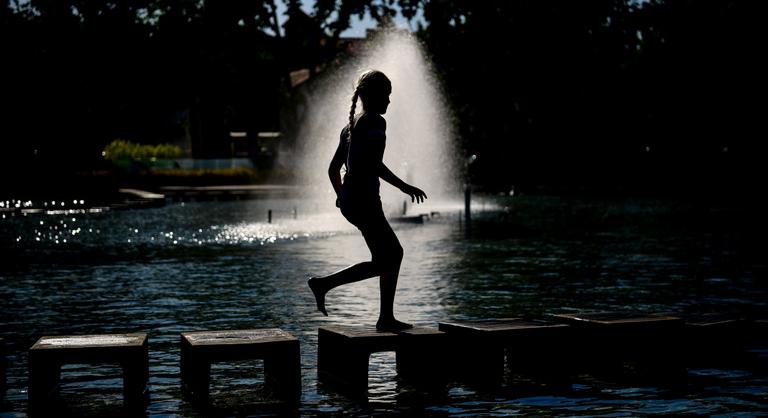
(220, 265)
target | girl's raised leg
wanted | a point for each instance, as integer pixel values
(354, 273)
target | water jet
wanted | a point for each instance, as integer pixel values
(420, 135)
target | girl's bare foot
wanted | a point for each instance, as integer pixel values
(319, 294)
(392, 325)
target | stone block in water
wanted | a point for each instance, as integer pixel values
(529, 346)
(715, 338)
(3, 368)
(344, 352)
(640, 343)
(49, 353)
(278, 349)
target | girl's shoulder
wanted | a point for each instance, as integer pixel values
(371, 121)
(344, 132)
(372, 118)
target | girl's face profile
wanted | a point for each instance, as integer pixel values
(378, 102)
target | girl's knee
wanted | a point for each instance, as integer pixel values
(388, 258)
(394, 255)
(397, 252)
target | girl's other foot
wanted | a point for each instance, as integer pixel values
(319, 294)
(392, 325)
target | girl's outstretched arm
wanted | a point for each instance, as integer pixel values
(417, 195)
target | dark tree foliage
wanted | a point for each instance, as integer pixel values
(664, 96)
(598, 95)
(79, 74)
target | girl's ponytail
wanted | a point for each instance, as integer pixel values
(368, 82)
(352, 112)
(351, 122)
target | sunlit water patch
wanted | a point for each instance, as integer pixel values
(233, 223)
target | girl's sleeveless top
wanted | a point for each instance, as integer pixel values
(365, 153)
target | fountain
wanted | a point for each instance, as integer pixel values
(420, 136)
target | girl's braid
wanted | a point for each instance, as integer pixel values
(352, 111)
(369, 80)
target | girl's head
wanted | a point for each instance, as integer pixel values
(373, 88)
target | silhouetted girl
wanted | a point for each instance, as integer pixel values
(361, 149)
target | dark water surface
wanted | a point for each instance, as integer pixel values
(219, 265)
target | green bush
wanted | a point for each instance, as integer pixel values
(182, 176)
(126, 150)
(248, 173)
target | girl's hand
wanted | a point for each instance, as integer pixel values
(417, 195)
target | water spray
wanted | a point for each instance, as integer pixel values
(420, 134)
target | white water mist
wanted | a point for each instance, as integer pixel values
(420, 137)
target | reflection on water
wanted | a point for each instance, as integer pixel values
(221, 266)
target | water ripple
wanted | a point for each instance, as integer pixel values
(222, 266)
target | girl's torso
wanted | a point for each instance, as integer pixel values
(365, 152)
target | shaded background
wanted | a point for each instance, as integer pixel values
(605, 96)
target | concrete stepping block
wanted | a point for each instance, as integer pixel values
(3, 368)
(641, 342)
(278, 349)
(619, 319)
(714, 338)
(49, 353)
(529, 346)
(344, 353)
